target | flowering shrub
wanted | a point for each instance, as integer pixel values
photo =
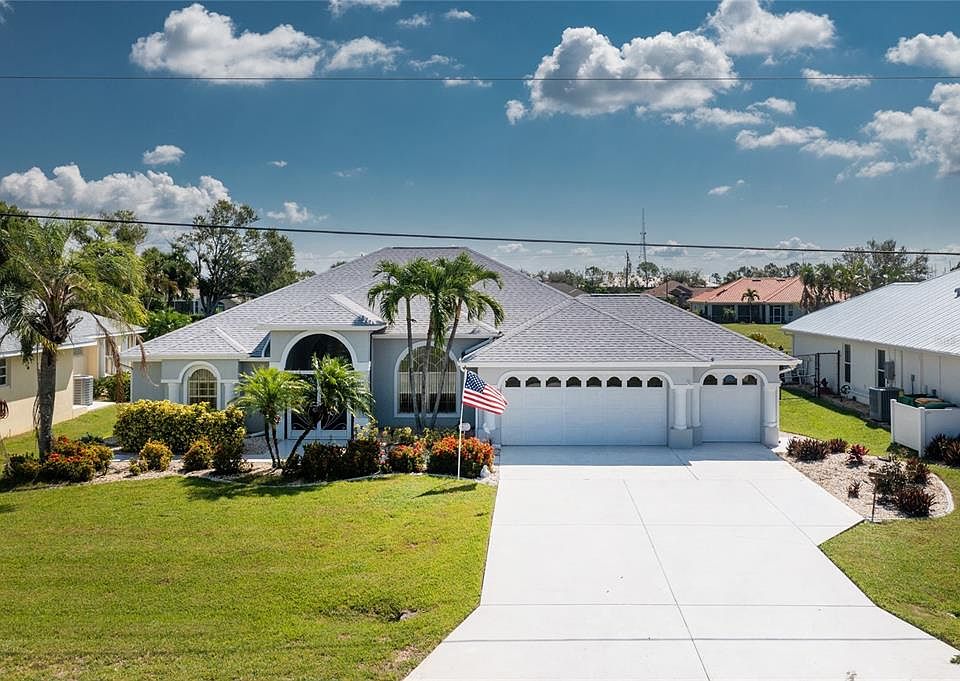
(155, 456)
(67, 468)
(856, 454)
(407, 458)
(475, 454)
(200, 455)
(175, 425)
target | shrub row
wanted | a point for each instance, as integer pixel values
(944, 449)
(70, 461)
(176, 425)
(905, 486)
(807, 449)
(113, 387)
(328, 461)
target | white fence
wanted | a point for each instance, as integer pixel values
(914, 427)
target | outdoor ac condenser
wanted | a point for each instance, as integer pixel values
(82, 391)
(880, 403)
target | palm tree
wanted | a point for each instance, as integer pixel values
(339, 389)
(750, 295)
(53, 271)
(461, 276)
(271, 392)
(399, 286)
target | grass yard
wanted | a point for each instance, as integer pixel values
(807, 415)
(771, 331)
(180, 578)
(909, 567)
(99, 422)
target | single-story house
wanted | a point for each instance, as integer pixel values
(677, 290)
(81, 359)
(904, 335)
(776, 300)
(593, 369)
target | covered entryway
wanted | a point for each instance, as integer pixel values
(571, 409)
(731, 407)
(298, 360)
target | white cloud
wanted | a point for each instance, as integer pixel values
(791, 242)
(514, 247)
(582, 251)
(718, 118)
(338, 7)
(201, 43)
(462, 82)
(362, 53)
(586, 53)
(515, 110)
(725, 189)
(846, 149)
(421, 20)
(278, 164)
(745, 27)
(827, 82)
(151, 195)
(350, 172)
(434, 60)
(162, 154)
(781, 136)
(787, 107)
(4, 8)
(292, 212)
(672, 251)
(931, 136)
(876, 169)
(458, 15)
(940, 51)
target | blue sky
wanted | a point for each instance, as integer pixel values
(729, 161)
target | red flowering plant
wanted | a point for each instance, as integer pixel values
(474, 455)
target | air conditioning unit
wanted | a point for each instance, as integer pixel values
(82, 391)
(880, 403)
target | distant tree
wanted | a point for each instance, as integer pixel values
(648, 271)
(627, 270)
(338, 263)
(819, 286)
(169, 275)
(160, 322)
(881, 263)
(751, 295)
(127, 230)
(688, 277)
(272, 263)
(593, 278)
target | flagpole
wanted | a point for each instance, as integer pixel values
(460, 424)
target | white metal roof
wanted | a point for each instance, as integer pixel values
(918, 316)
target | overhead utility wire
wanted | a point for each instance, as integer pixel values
(522, 79)
(465, 237)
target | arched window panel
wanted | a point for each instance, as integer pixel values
(533, 382)
(634, 382)
(594, 382)
(512, 382)
(318, 345)
(655, 382)
(553, 382)
(749, 379)
(437, 384)
(710, 379)
(614, 382)
(574, 382)
(729, 379)
(202, 387)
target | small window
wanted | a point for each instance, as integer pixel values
(710, 379)
(594, 382)
(573, 382)
(749, 379)
(4, 379)
(513, 382)
(634, 382)
(847, 363)
(614, 382)
(655, 382)
(881, 368)
(553, 382)
(729, 379)
(202, 387)
(533, 382)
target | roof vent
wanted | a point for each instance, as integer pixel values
(957, 291)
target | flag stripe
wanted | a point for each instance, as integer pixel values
(477, 393)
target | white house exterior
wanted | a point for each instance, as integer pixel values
(593, 369)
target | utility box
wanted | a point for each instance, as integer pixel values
(880, 403)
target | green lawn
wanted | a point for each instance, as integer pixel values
(806, 415)
(771, 331)
(180, 578)
(99, 422)
(909, 567)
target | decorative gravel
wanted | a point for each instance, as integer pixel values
(835, 476)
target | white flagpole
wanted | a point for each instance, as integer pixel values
(460, 424)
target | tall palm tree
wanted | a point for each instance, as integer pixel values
(270, 392)
(52, 271)
(751, 296)
(462, 275)
(339, 389)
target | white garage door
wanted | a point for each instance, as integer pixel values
(585, 409)
(730, 408)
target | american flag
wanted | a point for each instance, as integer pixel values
(485, 397)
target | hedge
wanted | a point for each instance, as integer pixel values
(175, 425)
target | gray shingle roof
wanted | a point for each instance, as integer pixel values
(86, 331)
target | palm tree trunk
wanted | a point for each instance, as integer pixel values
(423, 396)
(416, 412)
(443, 371)
(266, 436)
(46, 397)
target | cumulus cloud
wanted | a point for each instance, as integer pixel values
(672, 251)
(876, 169)
(4, 8)
(791, 242)
(514, 247)
(725, 189)
(778, 105)
(163, 154)
(434, 60)
(201, 43)
(338, 7)
(846, 149)
(717, 118)
(421, 20)
(930, 135)
(828, 82)
(779, 137)
(350, 172)
(151, 195)
(466, 82)
(458, 15)
(278, 164)
(940, 51)
(292, 212)
(744, 27)
(515, 110)
(586, 53)
(362, 53)
(582, 251)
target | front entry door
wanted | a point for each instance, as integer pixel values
(297, 423)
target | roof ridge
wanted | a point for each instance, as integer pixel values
(356, 308)
(549, 312)
(232, 342)
(787, 282)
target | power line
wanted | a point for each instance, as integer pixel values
(465, 237)
(469, 79)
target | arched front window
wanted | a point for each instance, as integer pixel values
(202, 386)
(512, 382)
(447, 390)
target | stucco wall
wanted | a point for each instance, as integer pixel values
(21, 390)
(145, 383)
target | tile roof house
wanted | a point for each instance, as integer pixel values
(776, 300)
(614, 369)
(681, 292)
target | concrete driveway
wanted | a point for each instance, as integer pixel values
(651, 563)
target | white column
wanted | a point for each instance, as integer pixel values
(695, 406)
(771, 405)
(359, 421)
(173, 391)
(229, 390)
(680, 407)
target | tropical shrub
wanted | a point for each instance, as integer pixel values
(21, 469)
(951, 452)
(200, 455)
(853, 489)
(807, 449)
(475, 454)
(99, 455)
(407, 458)
(937, 447)
(856, 454)
(155, 456)
(67, 468)
(360, 458)
(91, 439)
(175, 425)
(113, 387)
(837, 445)
(318, 461)
(889, 480)
(913, 500)
(135, 468)
(228, 454)
(916, 471)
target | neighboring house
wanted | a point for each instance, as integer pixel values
(592, 369)
(903, 335)
(564, 287)
(677, 290)
(777, 301)
(84, 355)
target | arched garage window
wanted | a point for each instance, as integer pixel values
(533, 382)
(202, 386)
(594, 382)
(614, 382)
(553, 382)
(447, 390)
(573, 382)
(710, 379)
(749, 379)
(655, 382)
(634, 382)
(729, 379)
(512, 382)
